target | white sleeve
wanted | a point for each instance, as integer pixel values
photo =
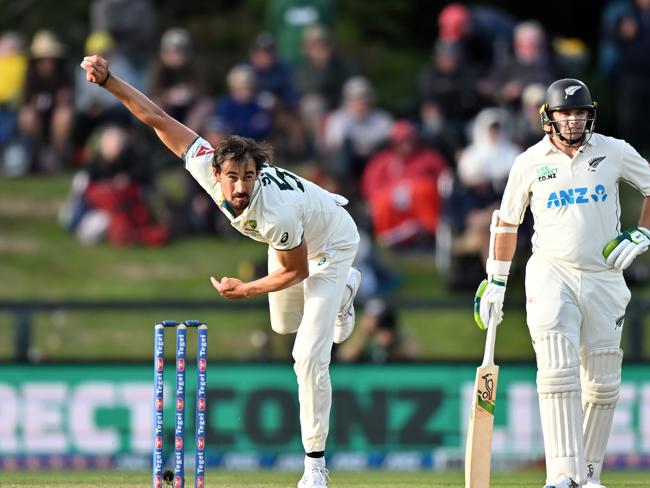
(198, 161)
(285, 233)
(635, 170)
(516, 195)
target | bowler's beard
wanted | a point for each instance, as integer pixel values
(240, 201)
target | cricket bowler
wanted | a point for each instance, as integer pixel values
(312, 241)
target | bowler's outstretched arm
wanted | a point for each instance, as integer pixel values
(171, 132)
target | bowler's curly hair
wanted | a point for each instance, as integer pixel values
(238, 149)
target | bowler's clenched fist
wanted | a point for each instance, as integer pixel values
(230, 288)
(96, 68)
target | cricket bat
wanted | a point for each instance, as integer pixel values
(478, 450)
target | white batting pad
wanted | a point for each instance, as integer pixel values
(601, 381)
(558, 387)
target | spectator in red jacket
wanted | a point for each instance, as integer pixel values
(401, 185)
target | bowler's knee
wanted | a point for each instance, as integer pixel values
(286, 323)
(283, 329)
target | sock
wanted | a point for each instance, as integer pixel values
(314, 462)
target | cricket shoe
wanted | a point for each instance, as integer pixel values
(593, 484)
(344, 324)
(562, 482)
(314, 478)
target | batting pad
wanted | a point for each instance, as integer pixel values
(558, 387)
(601, 382)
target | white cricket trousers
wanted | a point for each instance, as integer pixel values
(310, 308)
(575, 320)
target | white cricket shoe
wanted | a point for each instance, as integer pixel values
(593, 484)
(562, 482)
(315, 477)
(344, 324)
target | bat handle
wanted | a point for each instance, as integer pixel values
(488, 356)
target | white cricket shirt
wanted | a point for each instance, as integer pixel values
(574, 202)
(283, 209)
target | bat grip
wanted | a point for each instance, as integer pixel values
(488, 356)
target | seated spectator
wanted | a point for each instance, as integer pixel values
(355, 131)
(13, 66)
(462, 241)
(277, 92)
(401, 185)
(109, 199)
(572, 57)
(378, 338)
(530, 63)
(447, 96)
(483, 170)
(46, 113)
(482, 32)
(621, 30)
(527, 127)
(320, 76)
(625, 58)
(94, 106)
(177, 80)
(274, 78)
(240, 110)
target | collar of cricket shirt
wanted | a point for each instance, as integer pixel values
(224, 206)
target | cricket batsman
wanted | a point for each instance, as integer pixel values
(312, 241)
(575, 291)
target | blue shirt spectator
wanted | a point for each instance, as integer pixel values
(274, 78)
(240, 110)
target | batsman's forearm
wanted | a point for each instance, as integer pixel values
(276, 281)
(136, 102)
(504, 247)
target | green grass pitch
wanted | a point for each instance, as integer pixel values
(275, 479)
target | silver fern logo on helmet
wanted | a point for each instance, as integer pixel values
(571, 90)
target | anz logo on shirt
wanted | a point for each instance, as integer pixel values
(576, 196)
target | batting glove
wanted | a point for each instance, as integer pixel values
(621, 251)
(490, 295)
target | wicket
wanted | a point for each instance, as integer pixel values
(179, 431)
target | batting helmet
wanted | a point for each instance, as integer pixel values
(565, 94)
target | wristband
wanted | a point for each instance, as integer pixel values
(108, 75)
(494, 267)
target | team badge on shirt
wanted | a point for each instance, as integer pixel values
(594, 162)
(250, 228)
